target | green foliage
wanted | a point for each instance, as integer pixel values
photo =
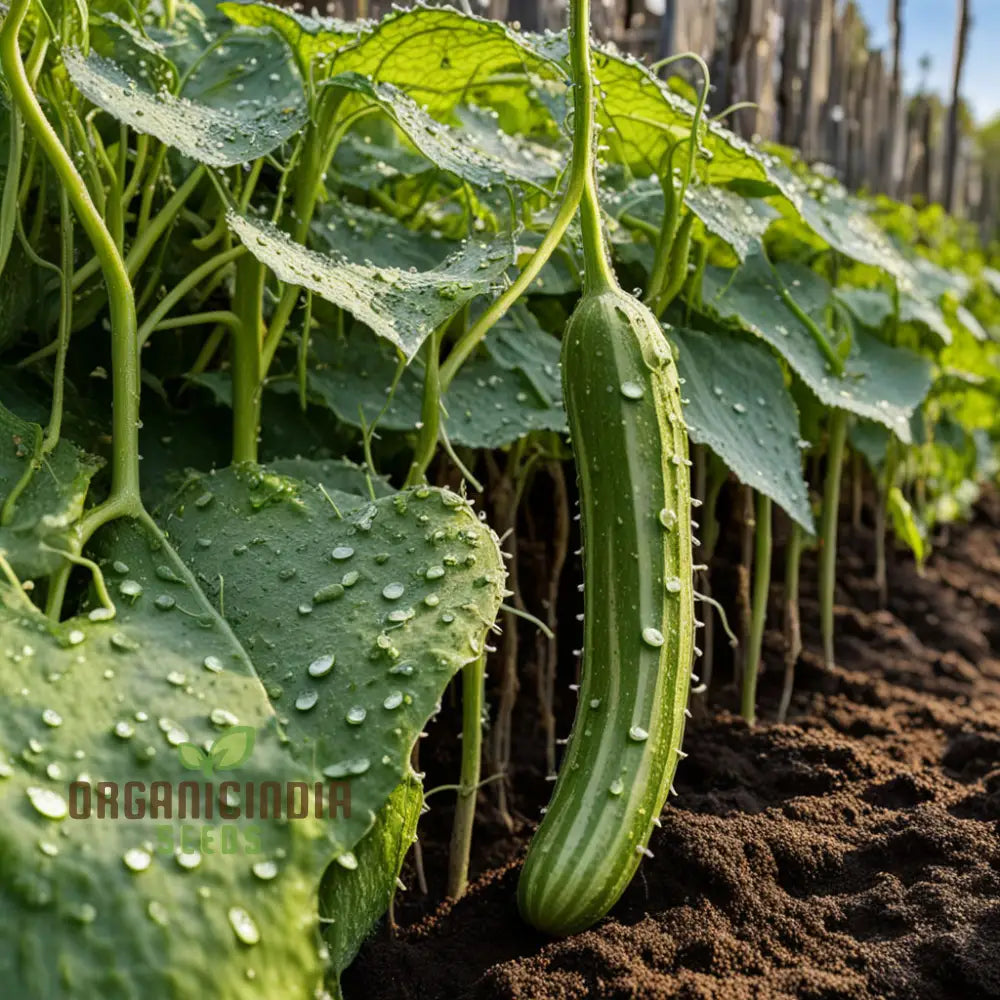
(343, 279)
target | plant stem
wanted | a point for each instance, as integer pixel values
(881, 521)
(430, 414)
(473, 677)
(124, 341)
(828, 530)
(246, 366)
(793, 622)
(758, 617)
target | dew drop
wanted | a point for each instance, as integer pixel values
(342, 552)
(356, 715)
(616, 787)
(212, 663)
(652, 636)
(137, 859)
(306, 700)
(49, 804)
(632, 390)
(265, 870)
(638, 734)
(393, 591)
(321, 666)
(243, 926)
(393, 700)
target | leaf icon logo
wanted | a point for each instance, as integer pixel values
(227, 753)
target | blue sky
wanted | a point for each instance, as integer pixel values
(929, 27)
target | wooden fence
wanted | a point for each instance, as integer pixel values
(815, 81)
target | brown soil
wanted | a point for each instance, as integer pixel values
(853, 853)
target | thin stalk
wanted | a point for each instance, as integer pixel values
(716, 475)
(747, 526)
(881, 522)
(11, 184)
(828, 530)
(473, 678)
(54, 428)
(580, 175)
(191, 281)
(793, 621)
(758, 617)
(124, 341)
(430, 414)
(246, 366)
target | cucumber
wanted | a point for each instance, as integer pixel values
(631, 448)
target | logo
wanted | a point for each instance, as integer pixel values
(227, 753)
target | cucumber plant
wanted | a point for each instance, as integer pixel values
(236, 234)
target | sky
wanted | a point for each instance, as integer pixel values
(929, 27)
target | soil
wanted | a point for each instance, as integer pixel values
(851, 853)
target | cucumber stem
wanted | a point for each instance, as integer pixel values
(793, 622)
(473, 677)
(758, 616)
(828, 530)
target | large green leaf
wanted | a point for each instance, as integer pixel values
(737, 404)
(448, 149)
(439, 56)
(506, 391)
(842, 221)
(308, 36)
(402, 306)
(219, 136)
(43, 513)
(642, 117)
(122, 908)
(880, 382)
(355, 622)
(358, 890)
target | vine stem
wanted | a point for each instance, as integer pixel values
(793, 628)
(758, 617)
(828, 530)
(124, 342)
(473, 678)
(581, 187)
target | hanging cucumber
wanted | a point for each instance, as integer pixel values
(631, 449)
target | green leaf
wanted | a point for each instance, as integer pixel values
(738, 405)
(448, 149)
(401, 306)
(739, 222)
(499, 395)
(233, 748)
(336, 475)
(43, 515)
(906, 526)
(879, 382)
(105, 907)
(246, 70)
(873, 306)
(309, 37)
(442, 58)
(191, 757)
(642, 117)
(219, 136)
(842, 221)
(355, 624)
(358, 888)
